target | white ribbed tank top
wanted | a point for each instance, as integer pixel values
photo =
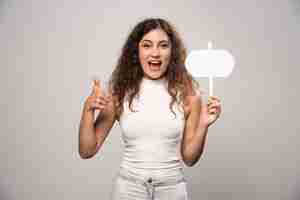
(152, 135)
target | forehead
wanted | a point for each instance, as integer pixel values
(156, 35)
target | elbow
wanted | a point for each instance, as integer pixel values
(191, 161)
(85, 154)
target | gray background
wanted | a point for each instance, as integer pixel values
(49, 50)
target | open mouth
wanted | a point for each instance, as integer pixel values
(155, 65)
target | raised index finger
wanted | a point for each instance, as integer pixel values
(214, 98)
(96, 88)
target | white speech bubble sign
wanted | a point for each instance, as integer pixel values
(206, 63)
(210, 63)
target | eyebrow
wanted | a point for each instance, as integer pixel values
(158, 42)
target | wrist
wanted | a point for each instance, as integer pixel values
(87, 111)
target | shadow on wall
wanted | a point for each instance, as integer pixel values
(294, 189)
(4, 193)
(3, 8)
(2, 4)
(295, 5)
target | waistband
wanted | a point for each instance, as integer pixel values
(150, 181)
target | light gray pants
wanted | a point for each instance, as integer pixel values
(129, 185)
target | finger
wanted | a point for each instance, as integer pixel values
(211, 107)
(214, 98)
(96, 82)
(98, 100)
(215, 104)
(215, 111)
(109, 96)
(212, 110)
(217, 108)
(212, 103)
(98, 106)
(93, 91)
(96, 88)
(211, 100)
(215, 114)
(101, 101)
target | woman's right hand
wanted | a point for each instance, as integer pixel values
(97, 100)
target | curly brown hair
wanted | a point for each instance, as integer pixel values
(128, 74)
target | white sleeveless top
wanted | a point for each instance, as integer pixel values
(152, 135)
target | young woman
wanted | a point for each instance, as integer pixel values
(158, 106)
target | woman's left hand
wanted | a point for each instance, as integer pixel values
(211, 111)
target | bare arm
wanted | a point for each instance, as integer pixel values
(199, 118)
(104, 123)
(195, 132)
(87, 136)
(93, 133)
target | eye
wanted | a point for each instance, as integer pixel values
(164, 45)
(145, 45)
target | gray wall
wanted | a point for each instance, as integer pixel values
(49, 50)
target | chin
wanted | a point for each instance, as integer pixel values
(155, 76)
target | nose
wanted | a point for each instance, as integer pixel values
(155, 52)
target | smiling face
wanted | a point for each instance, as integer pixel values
(154, 53)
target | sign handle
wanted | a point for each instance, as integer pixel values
(209, 46)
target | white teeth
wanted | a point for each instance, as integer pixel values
(155, 62)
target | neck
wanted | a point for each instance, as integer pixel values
(158, 81)
(161, 79)
(154, 79)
